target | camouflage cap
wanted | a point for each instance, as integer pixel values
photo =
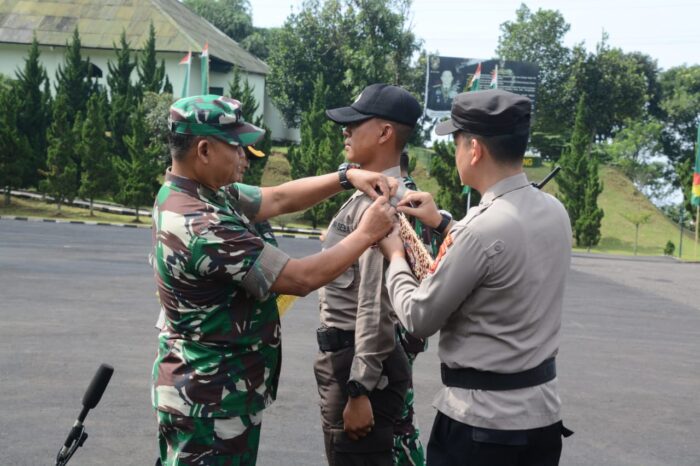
(213, 115)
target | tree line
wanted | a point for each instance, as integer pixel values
(600, 106)
(84, 141)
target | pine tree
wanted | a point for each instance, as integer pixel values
(329, 155)
(15, 150)
(167, 87)
(137, 173)
(320, 150)
(444, 170)
(579, 183)
(61, 174)
(249, 106)
(574, 166)
(150, 73)
(587, 228)
(123, 96)
(74, 79)
(34, 116)
(156, 116)
(94, 147)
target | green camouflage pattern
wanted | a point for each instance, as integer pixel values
(264, 229)
(408, 449)
(185, 441)
(213, 115)
(219, 352)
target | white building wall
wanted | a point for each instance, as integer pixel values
(12, 57)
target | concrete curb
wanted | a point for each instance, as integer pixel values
(73, 222)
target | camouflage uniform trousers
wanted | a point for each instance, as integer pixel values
(408, 449)
(185, 441)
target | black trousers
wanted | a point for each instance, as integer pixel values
(453, 443)
(332, 370)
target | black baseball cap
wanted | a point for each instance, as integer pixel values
(379, 100)
(493, 112)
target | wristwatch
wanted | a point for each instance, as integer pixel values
(356, 389)
(446, 219)
(343, 174)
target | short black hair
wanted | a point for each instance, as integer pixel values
(180, 144)
(506, 149)
(403, 133)
(404, 161)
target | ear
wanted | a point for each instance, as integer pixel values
(477, 151)
(203, 147)
(386, 133)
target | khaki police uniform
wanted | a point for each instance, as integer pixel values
(355, 309)
(495, 294)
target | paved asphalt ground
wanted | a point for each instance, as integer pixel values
(73, 296)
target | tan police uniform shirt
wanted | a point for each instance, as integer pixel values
(496, 295)
(358, 299)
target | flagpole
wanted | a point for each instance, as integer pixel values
(186, 82)
(204, 64)
(697, 226)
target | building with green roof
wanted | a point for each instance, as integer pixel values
(101, 22)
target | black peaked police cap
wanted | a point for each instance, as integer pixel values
(379, 100)
(493, 112)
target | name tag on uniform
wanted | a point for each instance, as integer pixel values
(341, 227)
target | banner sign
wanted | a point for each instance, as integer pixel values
(449, 76)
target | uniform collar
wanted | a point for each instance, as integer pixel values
(504, 186)
(195, 189)
(393, 172)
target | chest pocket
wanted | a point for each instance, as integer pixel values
(337, 231)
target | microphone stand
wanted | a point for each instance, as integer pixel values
(77, 435)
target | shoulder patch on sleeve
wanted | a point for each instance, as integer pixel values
(446, 244)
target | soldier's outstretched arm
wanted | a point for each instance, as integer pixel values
(302, 276)
(301, 194)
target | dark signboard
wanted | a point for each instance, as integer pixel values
(448, 76)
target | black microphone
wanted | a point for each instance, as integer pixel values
(93, 394)
(97, 386)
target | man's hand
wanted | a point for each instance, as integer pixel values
(358, 418)
(378, 219)
(392, 245)
(373, 184)
(422, 206)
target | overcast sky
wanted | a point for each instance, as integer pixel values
(667, 30)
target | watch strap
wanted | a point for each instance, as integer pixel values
(446, 219)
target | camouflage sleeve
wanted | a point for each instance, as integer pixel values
(231, 252)
(265, 271)
(247, 197)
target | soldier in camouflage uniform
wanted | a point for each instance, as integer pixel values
(408, 449)
(219, 351)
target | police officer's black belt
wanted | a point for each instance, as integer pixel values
(484, 380)
(334, 339)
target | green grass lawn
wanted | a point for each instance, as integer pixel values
(619, 196)
(21, 207)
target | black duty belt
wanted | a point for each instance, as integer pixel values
(334, 339)
(484, 380)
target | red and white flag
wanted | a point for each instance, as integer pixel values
(205, 49)
(187, 59)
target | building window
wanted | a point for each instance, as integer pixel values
(95, 71)
(216, 90)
